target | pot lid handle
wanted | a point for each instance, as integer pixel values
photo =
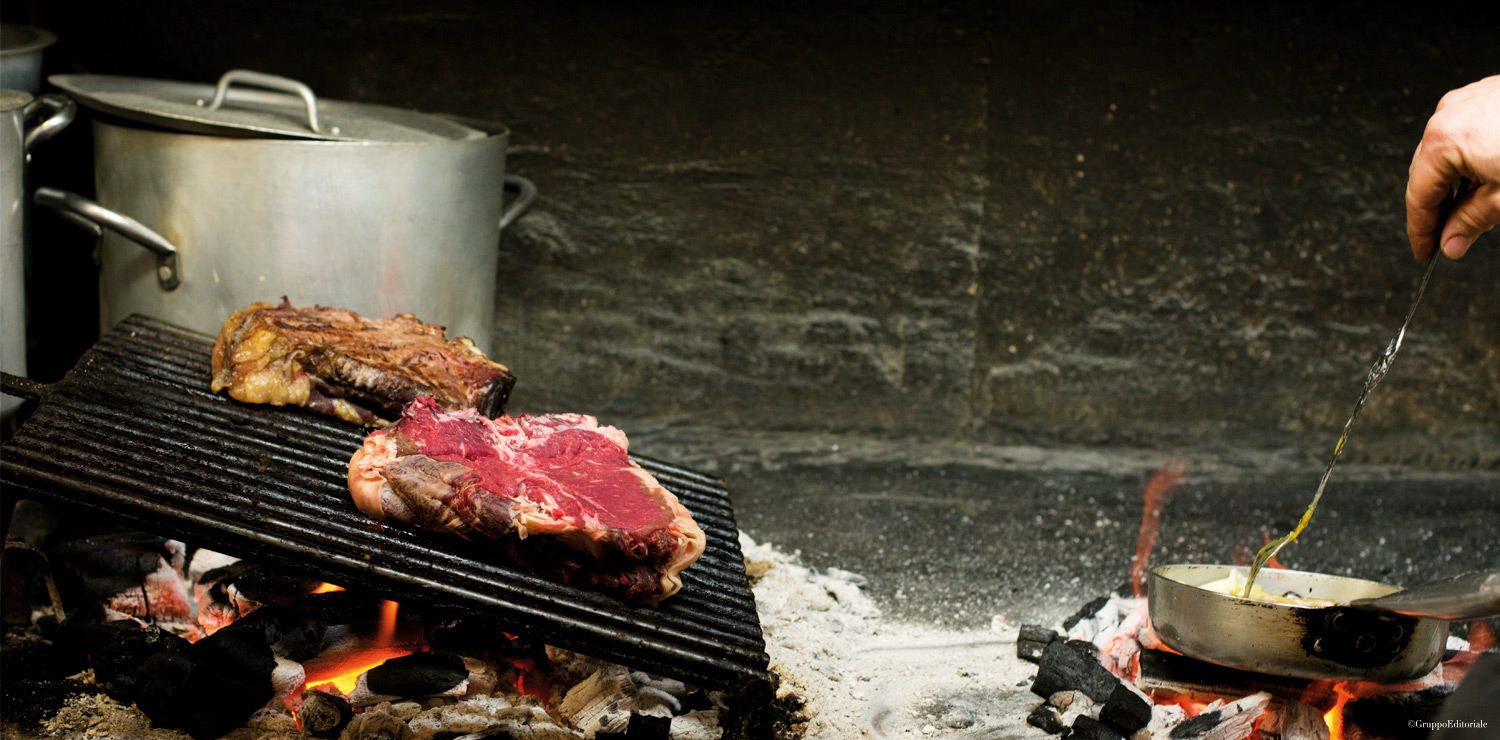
(270, 82)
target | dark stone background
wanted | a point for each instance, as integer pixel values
(1011, 222)
(936, 286)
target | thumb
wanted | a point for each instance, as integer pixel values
(1475, 213)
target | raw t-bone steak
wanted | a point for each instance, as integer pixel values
(556, 491)
(361, 370)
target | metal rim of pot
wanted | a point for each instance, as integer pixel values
(249, 103)
(1364, 637)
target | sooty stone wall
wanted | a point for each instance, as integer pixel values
(1013, 222)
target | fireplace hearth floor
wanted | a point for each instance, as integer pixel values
(952, 534)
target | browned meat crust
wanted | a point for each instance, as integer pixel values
(362, 370)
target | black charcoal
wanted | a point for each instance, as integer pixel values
(211, 689)
(1029, 651)
(1088, 728)
(1085, 647)
(1037, 633)
(1046, 718)
(1065, 667)
(290, 635)
(418, 674)
(1196, 726)
(116, 650)
(1401, 716)
(645, 727)
(1087, 612)
(1125, 710)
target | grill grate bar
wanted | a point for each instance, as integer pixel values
(297, 513)
(134, 430)
(180, 442)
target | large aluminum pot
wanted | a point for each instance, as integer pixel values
(26, 123)
(345, 206)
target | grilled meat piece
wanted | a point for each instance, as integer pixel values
(556, 492)
(337, 362)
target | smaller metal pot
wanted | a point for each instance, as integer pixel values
(27, 122)
(21, 56)
(1363, 639)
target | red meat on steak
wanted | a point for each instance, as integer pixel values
(556, 491)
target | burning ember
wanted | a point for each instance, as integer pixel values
(339, 670)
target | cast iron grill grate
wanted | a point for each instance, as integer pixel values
(133, 430)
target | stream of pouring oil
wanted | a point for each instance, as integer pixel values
(1377, 371)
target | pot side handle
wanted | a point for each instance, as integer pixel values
(60, 112)
(96, 218)
(525, 196)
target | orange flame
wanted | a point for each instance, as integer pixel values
(1334, 717)
(341, 673)
(327, 588)
(1481, 637)
(1163, 482)
(388, 612)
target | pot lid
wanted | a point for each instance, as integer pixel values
(255, 104)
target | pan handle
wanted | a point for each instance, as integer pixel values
(1469, 596)
(525, 196)
(270, 82)
(94, 217)
(15, 385)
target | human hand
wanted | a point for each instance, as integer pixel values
(1462, 139)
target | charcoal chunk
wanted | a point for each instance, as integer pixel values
(211, 689)
(1125, 710)
(1045, 717)
(289, 634)
(418, 674)
(644, 727)
(1196, 726)
(1088, 610)
(1029, 651)
(1032, 640)
(116, 650)
(1067, 667)
(324, 714)
(1401, 715)
(1088, 728)
(1085, 647)
(1037, 633)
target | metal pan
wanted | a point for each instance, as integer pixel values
(1364, 639)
